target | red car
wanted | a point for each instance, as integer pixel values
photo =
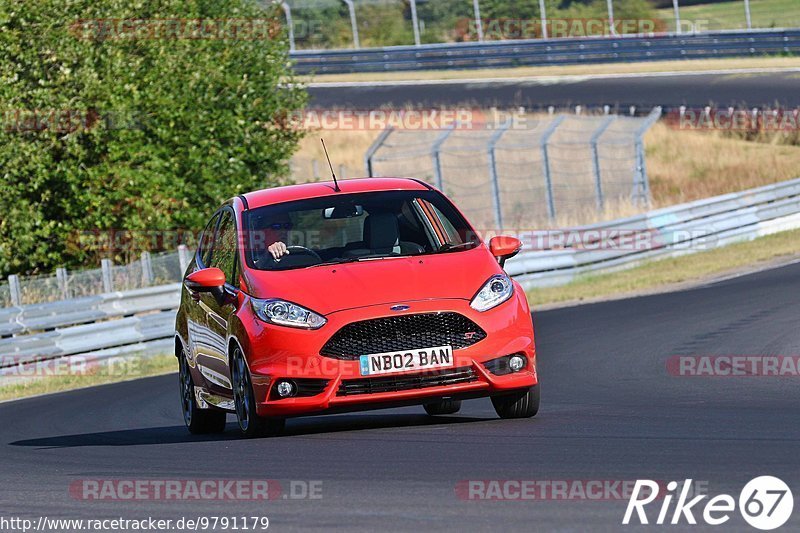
(322, 298)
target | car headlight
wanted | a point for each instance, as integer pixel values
(287, 314)
(494, 292)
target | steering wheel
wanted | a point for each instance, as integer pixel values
(304, 251)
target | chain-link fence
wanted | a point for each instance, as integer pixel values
(559, 168)
(338, 24)
(150, 270)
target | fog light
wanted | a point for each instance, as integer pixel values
(516, 363)
(285, 389)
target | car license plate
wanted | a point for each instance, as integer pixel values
(407, 360)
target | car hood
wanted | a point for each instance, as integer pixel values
(328, 289)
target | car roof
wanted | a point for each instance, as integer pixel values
(303, 191)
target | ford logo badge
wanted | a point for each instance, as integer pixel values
(399, 308)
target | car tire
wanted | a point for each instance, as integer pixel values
(198, 421)
(250, 424)
(519, 404)
(443, 407)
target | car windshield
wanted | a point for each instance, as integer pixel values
(355, 227)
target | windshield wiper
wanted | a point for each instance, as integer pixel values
(448, 246)
(337, 262)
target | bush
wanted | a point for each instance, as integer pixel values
(106, 132)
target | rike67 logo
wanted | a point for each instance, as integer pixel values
(765, 503)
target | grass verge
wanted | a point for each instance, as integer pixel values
(731, 15)
(667, 273)
(133, 369)
(686, 65)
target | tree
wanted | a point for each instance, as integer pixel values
(132, 115)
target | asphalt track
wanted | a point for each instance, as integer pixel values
(610, 411)
(667, 90)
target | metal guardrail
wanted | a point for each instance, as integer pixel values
(123, 323)
(38, 317)
(672, 231)
(120, 320)
(550, 51)
(87, 338)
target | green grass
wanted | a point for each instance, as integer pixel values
(132, 368)
(665, 273)
(731, 15)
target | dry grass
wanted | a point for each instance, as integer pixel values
(140, 367)
(570, 70)
(347, 148)
(689, 165)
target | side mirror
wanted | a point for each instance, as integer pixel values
(205, 280)
(504, 247)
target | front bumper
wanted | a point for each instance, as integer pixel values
(282, 353)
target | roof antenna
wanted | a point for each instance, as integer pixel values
(333, 174)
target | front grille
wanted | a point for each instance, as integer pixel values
(405, 332)
(350, 387)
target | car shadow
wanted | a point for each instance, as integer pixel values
(294, 428)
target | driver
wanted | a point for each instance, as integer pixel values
(277, 232)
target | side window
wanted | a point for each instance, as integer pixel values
(224, 251)
(207, 240)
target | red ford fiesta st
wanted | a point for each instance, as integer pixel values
(322, 298)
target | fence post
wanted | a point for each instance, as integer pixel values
(183, 257)
(415, 21)
(374, 147)
(435, 151)
(476, 8)
(543, 16)
(353, 23)
(61, 277)
(13, 287)
(611, 17)
(498, 210)
(108, 277)
(677, 10)
(548, 182)
(147, 270)
(641, 185)
(598, 183)
(747, 14)
(288, 12)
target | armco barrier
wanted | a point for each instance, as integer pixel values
(132, 322)
(550, 51)
(85, 338)
(24, 319)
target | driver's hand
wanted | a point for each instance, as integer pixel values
(278, 250)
